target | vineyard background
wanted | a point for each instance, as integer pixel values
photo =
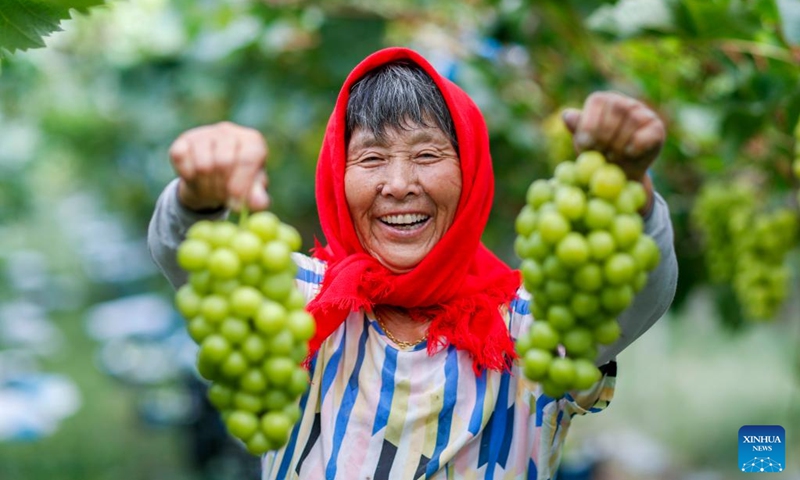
(85, 123)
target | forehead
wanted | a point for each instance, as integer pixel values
(409, 134)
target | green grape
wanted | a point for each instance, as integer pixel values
(199, 328)
(275, 400)
(586, 374)
(258, 444)
(607, 332)
(553, 227)
(276, 256)
(202, 230)
(532, 274)
(573, 250)
(290, 237)
(253, 381)
(220, 395)
(265, 225)
(242, 424)
(223, 263)
(301, 324)
(279, 370)
(601, 244)
(246, 245)
(562, 372)
(193, 254)
(560, 317)
(234, 330)
(234, 366)
(586, 164)
(222, 234)
(536, 363)
(214, 348)
(298, 383)
(599, 214)
(539, 193)
(619, 269)
(188, 301)
(543, 336)
(526, 221)
(607, 182)
(570, 202)
(276, 427)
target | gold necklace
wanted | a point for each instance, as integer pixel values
(400, 343)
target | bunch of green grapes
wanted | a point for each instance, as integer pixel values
(761, 277)
(244, 311)
(584, 256)
(746, 246)
(796, 163)
(716, 209)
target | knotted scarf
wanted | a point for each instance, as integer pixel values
(460, 284)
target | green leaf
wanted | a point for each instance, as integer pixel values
(24, 23)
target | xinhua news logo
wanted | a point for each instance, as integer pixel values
(762, 449)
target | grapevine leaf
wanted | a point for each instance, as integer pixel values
(24, 23)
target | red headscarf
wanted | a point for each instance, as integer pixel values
(460, 282)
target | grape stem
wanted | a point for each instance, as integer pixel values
(243, 214)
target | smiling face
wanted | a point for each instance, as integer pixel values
(402, 191)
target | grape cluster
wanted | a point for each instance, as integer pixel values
(796, 163)
(761, 278)
(243, 309)
(584, 256)
(746, 246)
(717, 207)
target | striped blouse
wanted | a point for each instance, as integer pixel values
(376, 412)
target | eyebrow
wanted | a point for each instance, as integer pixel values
(374, 141)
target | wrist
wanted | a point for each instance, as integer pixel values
(192, 202)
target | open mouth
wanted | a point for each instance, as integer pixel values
(407, 221)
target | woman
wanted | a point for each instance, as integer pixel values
(413, 373)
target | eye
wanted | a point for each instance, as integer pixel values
(428, 156)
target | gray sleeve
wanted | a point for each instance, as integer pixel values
(167, 230)
(655, 298)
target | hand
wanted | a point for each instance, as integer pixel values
(221, 165)
(625, 130)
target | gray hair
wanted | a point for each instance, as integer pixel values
(400, 95)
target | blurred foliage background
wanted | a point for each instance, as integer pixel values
(85, 125)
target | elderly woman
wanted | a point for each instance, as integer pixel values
(413, 370)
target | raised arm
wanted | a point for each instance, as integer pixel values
(630, 134)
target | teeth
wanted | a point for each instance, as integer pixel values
(404, 219)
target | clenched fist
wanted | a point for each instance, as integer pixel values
(221, 165)
(624, 129)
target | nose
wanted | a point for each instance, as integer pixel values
(400, 180)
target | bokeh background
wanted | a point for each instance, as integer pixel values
(96, 377)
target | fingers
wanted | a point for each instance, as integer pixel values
(221, 164)
(258, 198)
(251, 155)
(624, 129)
(571, 116)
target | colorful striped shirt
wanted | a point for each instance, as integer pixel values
(376, 412)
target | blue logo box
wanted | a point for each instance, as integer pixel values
(762, 449)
